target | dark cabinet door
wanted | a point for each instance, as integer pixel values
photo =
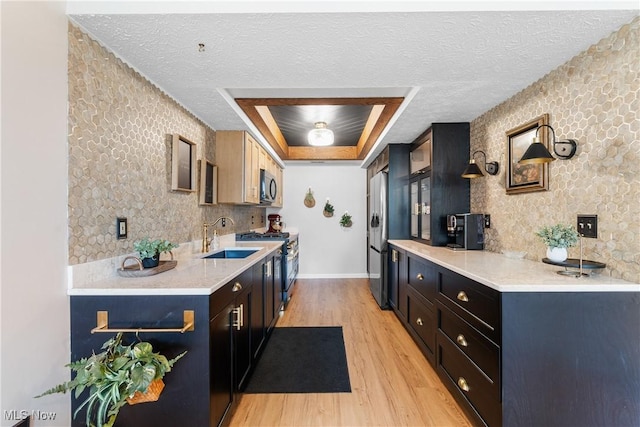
(269, 295)
(393, 278)
(403, 283)
(258, 307)
(221, 365)
(278, 283)
(242, 335)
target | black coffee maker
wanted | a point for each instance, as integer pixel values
(465, 231)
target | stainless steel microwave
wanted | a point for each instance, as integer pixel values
(268, 187)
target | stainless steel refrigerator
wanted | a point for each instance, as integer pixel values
(378, 238)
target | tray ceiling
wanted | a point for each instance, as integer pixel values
(447, 65)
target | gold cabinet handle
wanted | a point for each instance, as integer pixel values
(419, 276)
(102, 324)
(236, 287)
(462, 383)
(419, 321)
(394, 256)
(237, 322)
(462, 340)
(462, 296)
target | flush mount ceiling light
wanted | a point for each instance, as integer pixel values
(320, 136)
(538, 153)
(473, 171)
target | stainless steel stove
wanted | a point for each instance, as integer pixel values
(289, 260)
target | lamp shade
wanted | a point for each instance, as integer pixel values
(536, 153)
(320, 136)
(472, 171)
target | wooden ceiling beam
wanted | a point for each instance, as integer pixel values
(257, 110)
(323, 153)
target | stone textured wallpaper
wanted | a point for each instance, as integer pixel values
(595, 99)
(120, 128)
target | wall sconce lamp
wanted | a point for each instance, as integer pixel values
(473, 171)
(538, 153)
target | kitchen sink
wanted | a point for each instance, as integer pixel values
(233, 253)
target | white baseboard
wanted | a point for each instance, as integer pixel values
(334, 276)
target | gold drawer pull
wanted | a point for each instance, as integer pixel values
(462, 296)
(462, 340)
(102, 324)
(236, 287)
(462, 383)
(237, 321)
(419, 276)
(419, 321)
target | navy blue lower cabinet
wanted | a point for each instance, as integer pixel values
(571, 359)
(203, 387)
(185, 398)
(528, 359)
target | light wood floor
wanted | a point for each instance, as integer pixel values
(392, 383)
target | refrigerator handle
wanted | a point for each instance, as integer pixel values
(375, 221)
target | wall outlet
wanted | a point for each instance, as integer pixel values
(487, 221)
(588, 226)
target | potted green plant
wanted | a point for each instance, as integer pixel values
(120, 374)
(558, 238)
(328, 209)
(150, 250)
(345, 220)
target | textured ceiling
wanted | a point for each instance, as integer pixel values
(449, 65)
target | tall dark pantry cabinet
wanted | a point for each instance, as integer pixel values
(438, 157)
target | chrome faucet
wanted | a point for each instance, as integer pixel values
(206, 242)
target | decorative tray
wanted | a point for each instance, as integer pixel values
(575, 263)
(136, 270)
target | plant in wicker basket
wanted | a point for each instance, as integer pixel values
(328, 209)
(120, 374)
(309, 201)
(345, 220)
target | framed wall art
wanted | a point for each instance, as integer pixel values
(208, 183)
(183, 164)
(531, 177)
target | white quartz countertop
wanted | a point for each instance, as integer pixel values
(514, 275)
(193, 275)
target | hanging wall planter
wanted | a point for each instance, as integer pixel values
(328, 209)
(345, 220)
(309, 201)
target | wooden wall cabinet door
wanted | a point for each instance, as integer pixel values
(279, 179)
(238, 161)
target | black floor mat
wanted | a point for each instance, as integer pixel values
(302, 360)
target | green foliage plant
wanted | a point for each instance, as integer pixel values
(328, 208)
(148, 248)
(558, 236)
(345, 220)
(110, 377)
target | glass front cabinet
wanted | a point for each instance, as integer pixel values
(436, 187)
(421, 208)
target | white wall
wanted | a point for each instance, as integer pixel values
(326, 249)
(34, 305)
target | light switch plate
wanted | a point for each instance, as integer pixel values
(587, 226)
(121, 228)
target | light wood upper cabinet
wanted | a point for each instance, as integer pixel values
(238, 161)
(279, 175)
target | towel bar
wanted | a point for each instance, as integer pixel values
(102, 324)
